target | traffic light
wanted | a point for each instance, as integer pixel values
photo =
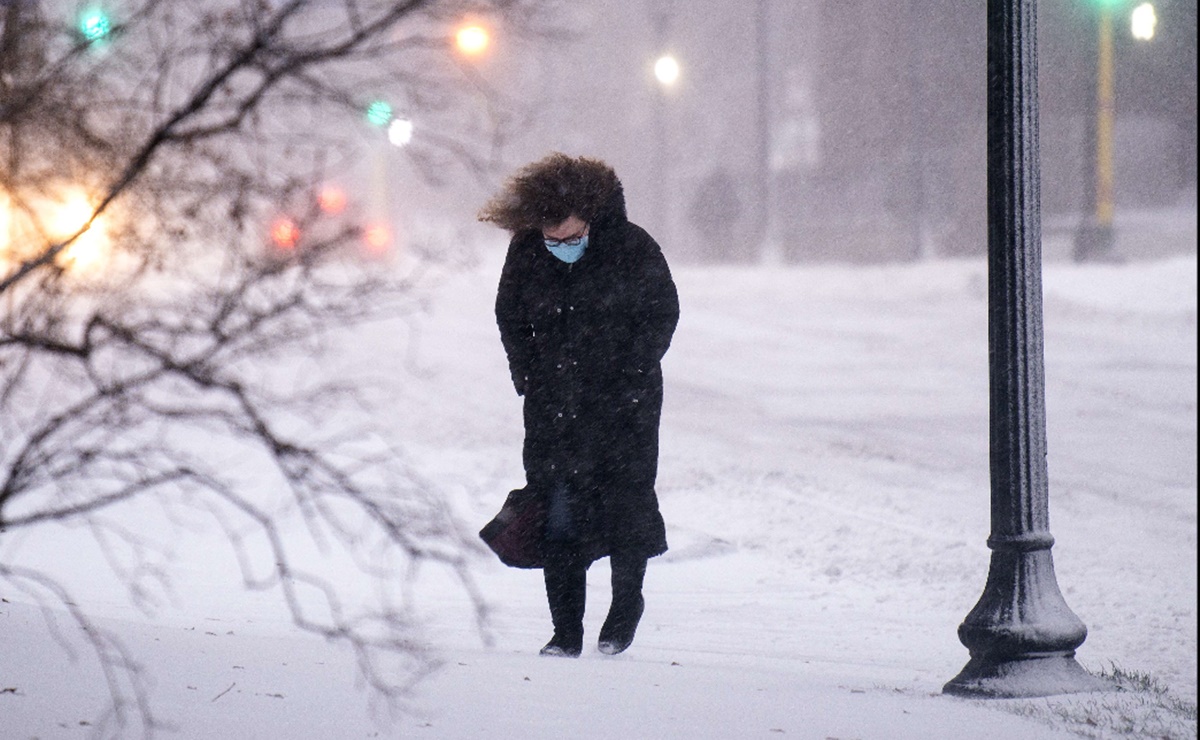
(331, 199)
(377, 237)
(285, 234)
(94, 23)
(379, 113)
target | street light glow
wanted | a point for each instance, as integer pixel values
(285, 233)
(1143, 22)
(65, 219)
(400, 132)
(472, 40)
(6, 224)
(56, 219)
(666, 69)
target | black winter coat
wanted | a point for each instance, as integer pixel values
(584, 344)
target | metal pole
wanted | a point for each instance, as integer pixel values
(660, 16)
(1021, 634)
(662, 169)
(1095, 235)
(1105, 120)
(661, 223)
(761, 240)
(922, 243)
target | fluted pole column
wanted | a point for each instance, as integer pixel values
(1021, 635)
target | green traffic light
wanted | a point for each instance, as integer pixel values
(379, 113)
(94, 24)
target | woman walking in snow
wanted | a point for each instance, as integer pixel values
(586, 309)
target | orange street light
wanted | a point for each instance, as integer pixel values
(70, 216)
(67, 214)
(472, 39)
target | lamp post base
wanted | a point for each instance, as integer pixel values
(1025, 677)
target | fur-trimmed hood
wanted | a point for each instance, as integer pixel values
(611, 211)
(550, 190)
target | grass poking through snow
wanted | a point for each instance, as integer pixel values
(1139, 706)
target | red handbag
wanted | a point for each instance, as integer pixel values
(515, 534)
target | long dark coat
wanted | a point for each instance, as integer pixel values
(584, 344)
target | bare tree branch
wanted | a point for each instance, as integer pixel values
(124, 676)
(124, 391)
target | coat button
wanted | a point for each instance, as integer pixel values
(558, 310)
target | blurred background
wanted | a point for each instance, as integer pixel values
(841, 130)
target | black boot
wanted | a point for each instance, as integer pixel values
(628, 573)
(566, 590)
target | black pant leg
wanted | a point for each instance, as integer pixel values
(628, 576)
(566, 591)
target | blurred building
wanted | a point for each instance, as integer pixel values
(901, 104)
(852, 130)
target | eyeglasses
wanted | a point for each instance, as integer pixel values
(570, 241)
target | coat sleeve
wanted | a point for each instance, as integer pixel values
(516, 331)
(658, 307)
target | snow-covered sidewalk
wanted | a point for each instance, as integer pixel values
(824, 477)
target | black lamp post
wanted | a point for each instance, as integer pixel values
(1021, 634)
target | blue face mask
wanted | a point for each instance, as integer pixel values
(567, 252)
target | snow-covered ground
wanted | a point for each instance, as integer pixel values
(824, 477)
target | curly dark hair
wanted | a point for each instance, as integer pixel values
(547, 192)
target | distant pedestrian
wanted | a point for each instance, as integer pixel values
(715, 210)
(586, 309)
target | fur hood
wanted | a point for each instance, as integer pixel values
(611, 211)
(550, 190)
